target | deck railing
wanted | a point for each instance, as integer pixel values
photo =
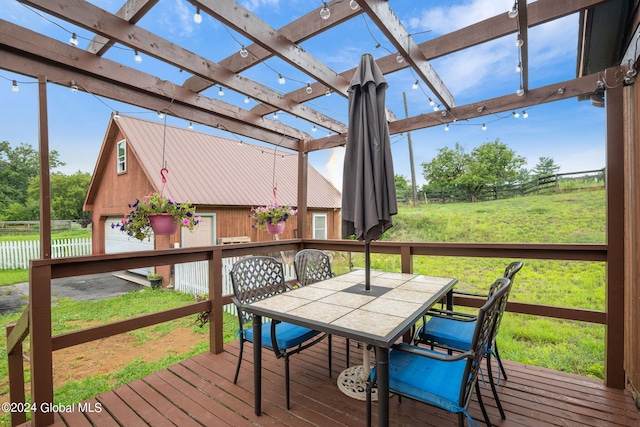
(36, 319)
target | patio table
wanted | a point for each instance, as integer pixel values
(341, 306)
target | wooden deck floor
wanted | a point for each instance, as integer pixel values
(200, 392)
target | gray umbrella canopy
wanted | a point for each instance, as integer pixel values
(368, 189)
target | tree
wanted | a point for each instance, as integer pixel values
(67, 194)
(546, 166)
(17, 167)
(490, 164)
(402, 183)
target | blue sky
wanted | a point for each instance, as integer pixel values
(571, 132)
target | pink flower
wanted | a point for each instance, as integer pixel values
(186, 221)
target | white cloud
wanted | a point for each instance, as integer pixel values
(334, 167)
(445, 19)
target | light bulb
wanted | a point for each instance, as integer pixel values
(309, 89)
(14, 87)
(137, 57)
(244, 52)
(160, 115)
(220, 92)
(74, 86)
(197, 18)
(525, 114)
(191, 125)
(513, 12)
(353, 4)
(561, 91)
(415, 85)
(399, 58)
(520, 91)
(446, 128)
(281, 79)
(484, 127)
(631, 70)
(600, 83)
(116, 116)
(431, 102)
(275, 115)
(436, 108)
(515, 115)
(246, 100)
(325, 13)
(519, 42)
(73, 41)
(327, 92)
(313, 129)
(519, 67)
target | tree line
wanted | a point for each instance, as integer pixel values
(20, 186)
(492, 164)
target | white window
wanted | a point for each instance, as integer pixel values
(319, 225)
(122, 156)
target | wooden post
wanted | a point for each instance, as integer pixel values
(303, 172)
(16, 380)
(41, 343)
(216, 339)
(616, 259)
(45, 179)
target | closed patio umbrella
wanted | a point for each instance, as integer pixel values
(368, 189)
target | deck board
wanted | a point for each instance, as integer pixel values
(200, 391)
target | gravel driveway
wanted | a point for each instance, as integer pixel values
(80, 288)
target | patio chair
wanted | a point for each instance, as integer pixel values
(313, 265)
(454, 330)
(444, 380)
(256, 278)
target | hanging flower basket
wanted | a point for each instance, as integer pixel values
(275, 228)
(139, 223)
(163, 224)
(271, 217)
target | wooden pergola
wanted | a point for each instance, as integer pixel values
(612, 58)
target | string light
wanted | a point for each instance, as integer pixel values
(275, 115)
(246, 100)
(514, 11)
(353, 4)
(309, 89)
(484, 127)
(73, 41)
(399, 58)
(446, 128)
(197, 18)
(244, 52)
(74, 86)
(220, 92)
(525, 115)
(431, 102)
(14, 87)
(160, 115)
(327, 92)
(137, 57)
(415, 86)
(281, 79)
(519, 42)
(520, 91)
(519, 67)
(191, 125)
(325, 13)
(313, 129)
(116, 116)
(436, 108)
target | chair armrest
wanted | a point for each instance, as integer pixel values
(419, 351)
(235, 301)
(471, 294)
(454, 315)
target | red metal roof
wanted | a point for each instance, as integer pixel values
(209, 170)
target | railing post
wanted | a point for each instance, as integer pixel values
(16, 381)
(406, 259)
(216, 339)
(41, 343)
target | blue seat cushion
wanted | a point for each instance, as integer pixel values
(448, 332)
(287, 335)
(428, 380)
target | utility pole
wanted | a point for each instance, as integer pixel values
(413, 169)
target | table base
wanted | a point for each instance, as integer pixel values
(353, 382)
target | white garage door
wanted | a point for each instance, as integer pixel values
(115, 241)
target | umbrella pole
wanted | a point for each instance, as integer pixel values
(367, 265)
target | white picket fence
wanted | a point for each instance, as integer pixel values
(193, 278)
(16, 254)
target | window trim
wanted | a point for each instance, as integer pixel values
(314, 216)
(121, 160)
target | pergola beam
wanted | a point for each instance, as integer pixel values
(132, 11)
(554, 92)
(92, 18)
(380, 12)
